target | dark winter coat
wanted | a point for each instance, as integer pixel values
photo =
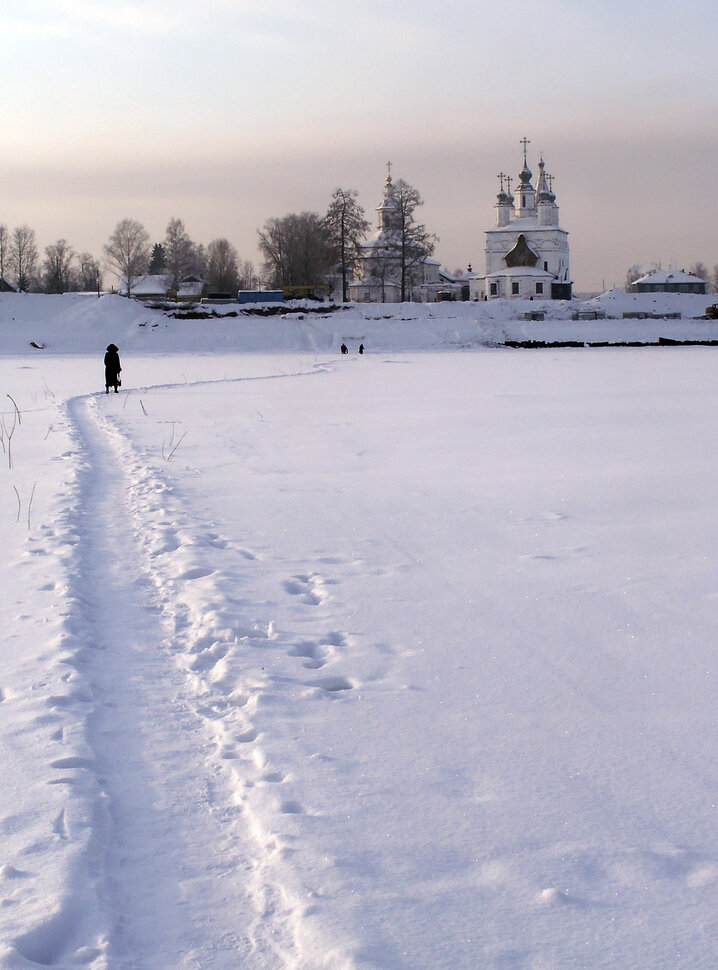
(112, 366)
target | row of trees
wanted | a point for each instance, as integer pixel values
(61, 270)
(300, 249)
(635, 272)
(128, 254)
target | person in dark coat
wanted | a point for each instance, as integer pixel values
(344, 349)
(112, 368)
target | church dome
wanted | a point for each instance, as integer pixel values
(525, 175)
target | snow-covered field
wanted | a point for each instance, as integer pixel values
(320, 662)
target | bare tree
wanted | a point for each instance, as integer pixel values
(295, 249)
(383, 269)
(410, 240)
(23, 255)
(714, 279)
(248, 276)
(199, 261)
(90, 274)
(633, 273)
(128, 251)
(222, 269)
(179, 251)
(57, 268)
(345, 228)
(4, 251)
(701, 271)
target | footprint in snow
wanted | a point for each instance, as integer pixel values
(292, 808)
(273, 777)
(72, 762)
(216, 541)
(313, 652)
(309, 588)
(59, 827)
(333, 685)
(198, 572)
(10, 872)
(168, 542)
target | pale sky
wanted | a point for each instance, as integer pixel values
(228, 112)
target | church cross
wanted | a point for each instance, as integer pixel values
(501, 178)
(388, 171)
(525, 142)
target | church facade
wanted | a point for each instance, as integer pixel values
(527, 252)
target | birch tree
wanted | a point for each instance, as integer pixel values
(4, 251)
(179, 251)
(23, 256)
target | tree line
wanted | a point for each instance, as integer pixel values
(128, 253)
(61, 270)
(299, 249)
(699, 269)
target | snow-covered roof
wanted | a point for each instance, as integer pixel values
(375, 281)
(531, 271)
(190, 289)
(527, 224)
(388, 249)
(669, 276)
(150, 285)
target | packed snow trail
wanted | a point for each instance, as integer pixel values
(178, 890)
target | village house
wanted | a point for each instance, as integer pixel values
(668, 281)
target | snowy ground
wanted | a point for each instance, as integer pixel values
(394, 662)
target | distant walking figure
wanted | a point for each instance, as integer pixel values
(112, 368)
(344, 349)
(361, 348)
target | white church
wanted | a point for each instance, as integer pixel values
(527, 250)
(377, 273)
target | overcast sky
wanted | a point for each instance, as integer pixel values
(227, 112)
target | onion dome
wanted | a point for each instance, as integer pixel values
(543, 191)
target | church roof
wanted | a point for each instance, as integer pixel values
(525, 224)
(379, 240)
(669, 276)
(532, 271)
